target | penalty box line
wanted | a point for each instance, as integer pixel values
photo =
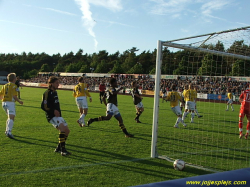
(72, 167)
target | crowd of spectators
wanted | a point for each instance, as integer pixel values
(207, 85)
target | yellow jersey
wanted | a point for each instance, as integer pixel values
(229, 95)
(190, 95)
(184, 91)
(81, 90)
(174, 98)
(8, 91)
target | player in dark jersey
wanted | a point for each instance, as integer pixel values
(137, 101)
(50, 104)
(102, 88)
(18, 83)
(164, 94)
(112, 109)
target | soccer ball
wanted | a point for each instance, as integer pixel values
(179, 164)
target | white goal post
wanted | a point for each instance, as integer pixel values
(190, 47)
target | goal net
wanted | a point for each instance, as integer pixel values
(215, 64)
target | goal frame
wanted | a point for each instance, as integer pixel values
(159, 57)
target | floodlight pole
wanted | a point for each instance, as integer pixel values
(156, 99)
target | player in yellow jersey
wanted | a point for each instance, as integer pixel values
(195, 109)
(174, 98)
(8, 95)
(230, 99)
(81, 93)
(182, 104)
(189, 97)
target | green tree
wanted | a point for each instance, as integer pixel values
(45, 68)
(136, 69)
(208, 66)
(59, 68)
(117, 68)
(84, 69)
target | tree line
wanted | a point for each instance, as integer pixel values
(181, 62)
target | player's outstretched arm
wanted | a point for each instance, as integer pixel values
(16, 99)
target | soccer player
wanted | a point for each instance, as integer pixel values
(81, 93)
(163, 90)
(182, 104)
(137, 101)
(8, 95)
(102, 88)
(189, 97)
(195, 109)
(18, 83)
(50, 104)
(244, 111)
(112, 109)
(230, 99)
(174, 98)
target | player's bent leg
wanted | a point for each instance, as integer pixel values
(63, 134)
(101, 118)
(122, 126)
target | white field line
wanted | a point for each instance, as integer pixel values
(71, 167)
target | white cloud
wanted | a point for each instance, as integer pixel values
(114, 5)
(209, 7)
(59, 11)
(163, 7)
(88, 21)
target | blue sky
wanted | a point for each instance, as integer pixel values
(62, 26)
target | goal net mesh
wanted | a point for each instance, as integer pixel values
(216, 64)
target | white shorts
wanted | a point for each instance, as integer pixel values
(230, 101)
(9, 108)
(112, 109)
(81, 102)
(164, 95)
(56, 121)
(190, 105)
(139, 105)
(176, 110)
(18, 89)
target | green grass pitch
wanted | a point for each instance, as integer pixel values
(102, 156)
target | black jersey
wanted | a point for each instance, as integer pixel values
(135, 98)
(17, 83)
(50, 103)
(111, 96)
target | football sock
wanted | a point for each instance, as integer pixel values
(178, 121)
(248, 127)
(185, 115)
(62, 140)
(124, 130)
(138, 115)
(227, 107)
(81, 119)
(196, 112)
(192, 116)
(240, 126)
(101, 118)
(9, 125)
(232, 107)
